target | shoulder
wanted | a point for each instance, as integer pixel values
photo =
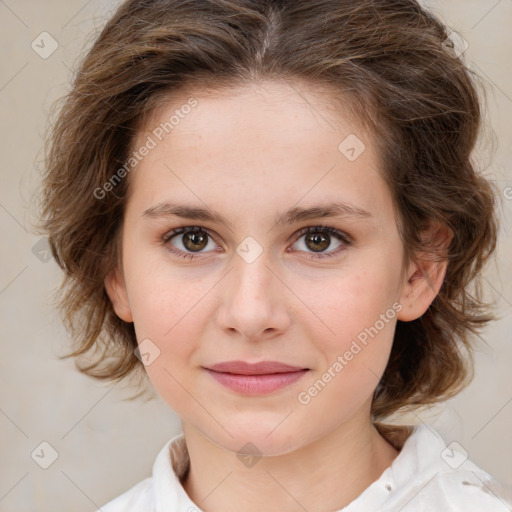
(444, 478)
(139, 497)
(470, 490)
(163, 487)
(428, 475)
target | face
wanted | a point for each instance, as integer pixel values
(233, 250)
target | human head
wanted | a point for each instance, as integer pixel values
(385, 58)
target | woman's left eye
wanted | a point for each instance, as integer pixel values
(319, 238)
(195, 239)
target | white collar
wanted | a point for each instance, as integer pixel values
(422, 457)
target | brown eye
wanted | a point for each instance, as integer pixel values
(317, 241)
(188, 240)
(195, 241)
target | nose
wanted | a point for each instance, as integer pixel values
(253, 304)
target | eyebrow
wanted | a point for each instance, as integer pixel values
(293, 215)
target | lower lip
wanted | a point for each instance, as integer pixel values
(256, 384)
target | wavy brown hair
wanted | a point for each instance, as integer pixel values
(391, 58)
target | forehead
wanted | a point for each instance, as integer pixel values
(262, 105)
(261, 136)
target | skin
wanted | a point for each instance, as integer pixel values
(250, 153)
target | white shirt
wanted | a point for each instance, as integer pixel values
(425, 476)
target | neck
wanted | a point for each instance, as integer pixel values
(325, 475)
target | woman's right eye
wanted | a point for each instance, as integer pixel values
(193, 238)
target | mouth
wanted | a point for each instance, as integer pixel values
(255, 378)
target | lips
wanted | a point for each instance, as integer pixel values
(263, 368)
(255, 378)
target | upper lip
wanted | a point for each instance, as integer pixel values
(262, 368)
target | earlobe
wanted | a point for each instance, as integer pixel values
(115, 287)
(425, 274)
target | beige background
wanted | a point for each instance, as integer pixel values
(104, 444)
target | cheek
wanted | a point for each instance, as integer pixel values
(173, 320)
(361, 311)
(163, 297)
(359, 307)
(348, 302)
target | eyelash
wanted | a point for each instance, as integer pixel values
(342, 237)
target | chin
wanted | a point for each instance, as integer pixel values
(258, 437)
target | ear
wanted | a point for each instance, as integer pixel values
(116, 290)
(426, 273)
